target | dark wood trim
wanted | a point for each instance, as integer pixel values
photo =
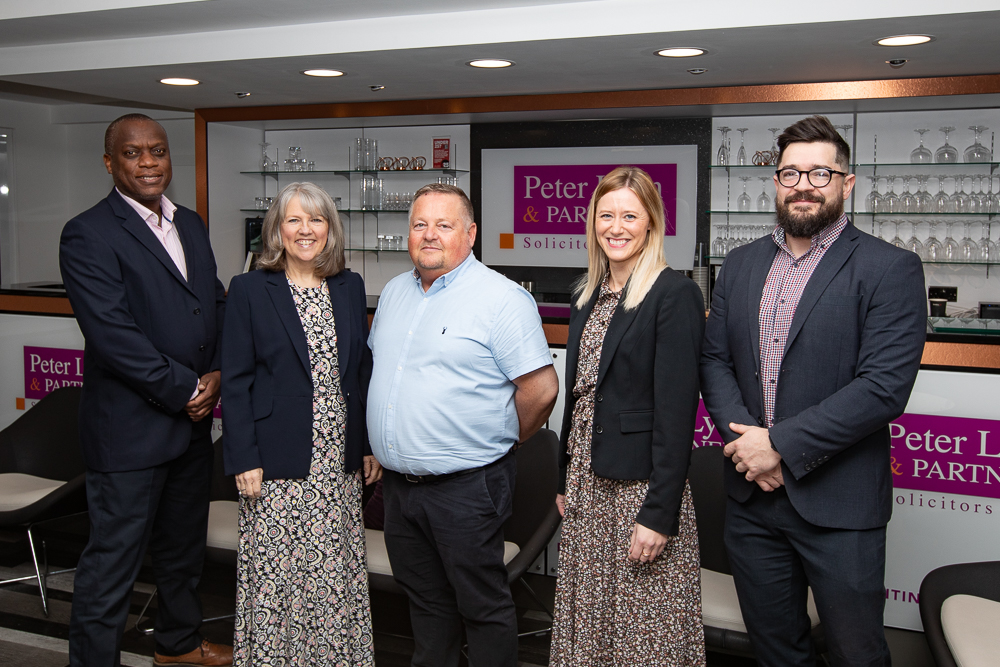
(201, 165)
(35, 305)
(793, 92)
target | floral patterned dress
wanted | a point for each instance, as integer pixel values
(612, 612)
(302, 589)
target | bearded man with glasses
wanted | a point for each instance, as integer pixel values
(811, 348)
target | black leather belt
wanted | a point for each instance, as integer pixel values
(432, 479)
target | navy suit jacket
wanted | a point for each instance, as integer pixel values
(849, 364)
(646, 396)
(150, 334)
(267, 388)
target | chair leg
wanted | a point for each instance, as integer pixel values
(142, 614)
(534, 597)
(38, 573)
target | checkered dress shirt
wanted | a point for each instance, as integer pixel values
(784, 286)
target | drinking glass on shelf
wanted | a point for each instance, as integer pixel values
(969, 248)
(993, 207)
(741, 155)
(774, 144)
(987, 248)
(925, 202)
(896, 240)
(972, 202)
(921, 154)
(265, 159)
(952, 251)
(845, 129)
(947, 154)
(913, 244)
(722, 157)
(977, 152)
(891, 199)
(743, 201)
(941, 199)
(763, 201)
(719, 243)
(731, 241)
(959, 200)
(874, 199)
(933, 249)
(907, 200)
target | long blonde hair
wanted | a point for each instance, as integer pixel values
(650, 262)
(315, 201)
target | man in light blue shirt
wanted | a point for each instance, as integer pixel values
(462, 374)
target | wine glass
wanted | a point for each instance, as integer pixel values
(891, 199)
(987, 248)
(845, 129)
(977, 152)
(969, 251)
(925, 202)
(874, 199)
(719, 244)
(952, 251)
(993, 207)
(941, 199)
(959, 200)
(947, 154)
(743, 201)
(731, 240)
(896, 241)
(265, 159)
(933, 249)
(722, 157)
(774, 144)
(972, 203)
(741, 155)
(921, 154)
(913, 244)
(907, 200)
(763, 201)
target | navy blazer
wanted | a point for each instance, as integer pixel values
(267, 388)
(646, 396)
(150, 334)
(849, 364)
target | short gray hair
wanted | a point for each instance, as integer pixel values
(445, 189)
(314, 201)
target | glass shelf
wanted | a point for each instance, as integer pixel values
(262, 211)
(373, 250)
(358, 171)
(926, 215)
(771, 213)
(926, 165)
(727, 167)
(987, 264)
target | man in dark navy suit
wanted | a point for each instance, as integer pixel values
(141, 277)
(811, 348)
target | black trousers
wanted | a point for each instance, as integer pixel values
(776, 554)
(445, 545)
(166, 508)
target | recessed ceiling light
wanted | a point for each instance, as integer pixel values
(323, 72)
(904, 40)
(175, 81)
(681, 52)
(697, 70)
(490, 63)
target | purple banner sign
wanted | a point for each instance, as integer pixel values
(929, 452)
(48, 368)
(553, 199)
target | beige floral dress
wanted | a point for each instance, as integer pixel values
(302, 588)
(612, 612)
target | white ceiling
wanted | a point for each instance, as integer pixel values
(115, 51)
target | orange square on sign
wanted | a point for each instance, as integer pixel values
(19, 403)
(507, 241)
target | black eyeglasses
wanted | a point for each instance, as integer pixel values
(817, 178)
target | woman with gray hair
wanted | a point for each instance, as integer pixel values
(295, 373)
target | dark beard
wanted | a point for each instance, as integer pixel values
(806, 226)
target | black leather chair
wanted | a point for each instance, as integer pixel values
(949, 624)
(725, 631)
(42, 475)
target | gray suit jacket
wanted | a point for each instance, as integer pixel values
(849, 364)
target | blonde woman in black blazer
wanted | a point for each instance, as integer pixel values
(629, 577)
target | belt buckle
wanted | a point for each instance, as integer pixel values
(413, 479)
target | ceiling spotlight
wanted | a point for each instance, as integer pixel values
(323, 72)
(904, 40)
(375, 89)
(896, 63)
(681, 52)
(180, 82)
(490, 63)
(697, 70)
(241, 95)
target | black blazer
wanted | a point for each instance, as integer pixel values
(850, 361)
(267, 390)
(150, 334)
(646, 396)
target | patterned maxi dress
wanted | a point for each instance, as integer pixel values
(302, 595)
(611, 612)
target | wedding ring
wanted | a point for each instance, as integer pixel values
(645, 553)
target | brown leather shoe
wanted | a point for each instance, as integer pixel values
(214, 655)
